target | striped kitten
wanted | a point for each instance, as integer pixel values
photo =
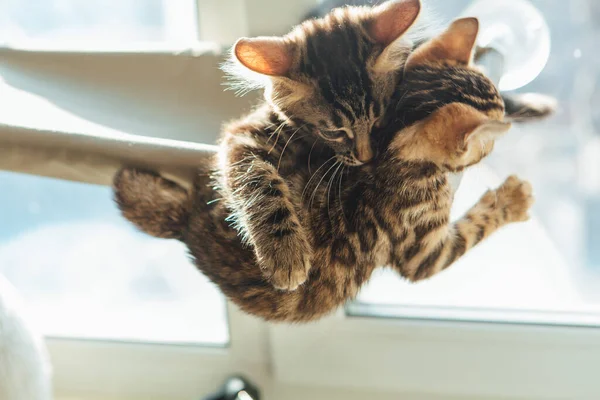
(394, 211)
(330, 79)
(333, 75)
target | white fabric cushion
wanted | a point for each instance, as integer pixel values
(24, 366)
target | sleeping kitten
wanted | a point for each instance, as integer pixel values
(329, 79)
(332, 75)
(394, 211)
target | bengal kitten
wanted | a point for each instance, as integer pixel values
(331, 79)
(392, 212)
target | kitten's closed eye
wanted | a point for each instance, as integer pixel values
(334, 135)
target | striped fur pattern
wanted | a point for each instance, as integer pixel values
(525, 108)
(334, 76)
(391, 212)
(310, 95)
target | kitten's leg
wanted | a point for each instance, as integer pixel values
(266, 215)
(155, 205)
(444, 245)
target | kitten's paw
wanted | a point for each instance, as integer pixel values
(514, 198)
(290, 277)
(287, 270)
(156, 205)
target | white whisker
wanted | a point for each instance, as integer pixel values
(286, 145)
(319, 184)
(329, 186)
(340, 194)
(310, 153)
(313, 175)
(278, 132)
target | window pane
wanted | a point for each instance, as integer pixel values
(86, 273)
(98, 20)
(546, 270)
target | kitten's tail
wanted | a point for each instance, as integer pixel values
(529, 106)
(155, 205)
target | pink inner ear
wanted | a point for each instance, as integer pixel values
(265, 55)
(392, 19)
(489, 130)
(461, 38)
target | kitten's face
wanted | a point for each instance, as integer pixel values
(336, 75)
(451, 112)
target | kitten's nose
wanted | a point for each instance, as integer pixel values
(363, 148)
(365, 155)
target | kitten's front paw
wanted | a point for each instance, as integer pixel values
(513, 199)
(290, 277)
(287, 269)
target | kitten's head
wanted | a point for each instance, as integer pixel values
(334, 75)
(449, 112)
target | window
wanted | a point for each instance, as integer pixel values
(98, 21)
(86, 273)
(137, 289)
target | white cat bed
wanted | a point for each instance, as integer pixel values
(155, 92)
(24, 366)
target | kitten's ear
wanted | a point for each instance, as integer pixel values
(456, 44)
(392, 19)
(487, 130)
(389, 22)
(264, 55)
(456, 126)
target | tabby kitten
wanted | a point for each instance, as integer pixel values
(394, 211)
(330, 79)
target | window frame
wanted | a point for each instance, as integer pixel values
(239, 18)
(449, 358)
(181, 22)
(221, 21)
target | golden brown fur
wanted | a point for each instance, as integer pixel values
(281, 185)
(309, 94)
